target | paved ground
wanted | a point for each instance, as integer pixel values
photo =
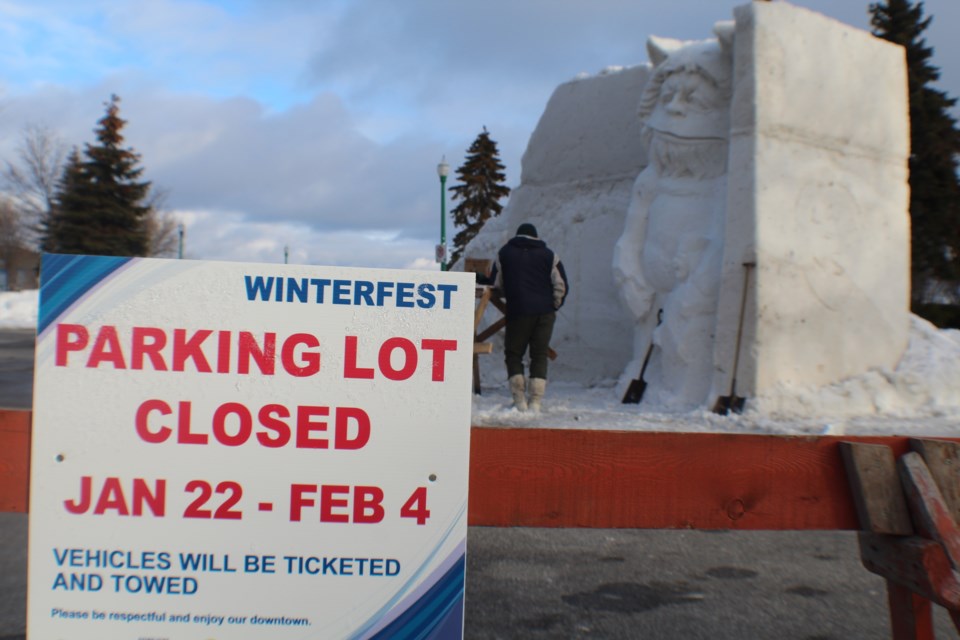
(578, 583)
(16, 368)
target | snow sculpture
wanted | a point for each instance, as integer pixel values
(791, 155)
(818, 199)
(578, 171)
(667, 261)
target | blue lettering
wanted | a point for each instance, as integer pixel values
(329, 566)
(320, 284)
(257, 287)
(363, 289)
(298, 290)
(341, 292)
(427, 299)
(446, 290)
(384, 290)
(404, 293)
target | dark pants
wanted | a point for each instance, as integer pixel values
(528, 331)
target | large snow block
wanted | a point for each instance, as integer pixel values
(817, 200)
(577, 174)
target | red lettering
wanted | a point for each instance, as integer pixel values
(350, 368)
(298, 500)
(148, 341)
(342, 428)
(310, 359)
(385, 360)
(141, 421)
(70, 337)
(142, 496)
(111, 497)
(265, 358)
(220, 426)
(184, 436)
(223, 352)
(232, 425)
(439, 349)
(306, 426)
(367, 505)
(267, 417)
(81, 504)
(190, 349)
(106, 348)
(329, 502)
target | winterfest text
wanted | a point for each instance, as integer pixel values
(366, 293)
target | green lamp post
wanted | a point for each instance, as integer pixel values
(443, 170)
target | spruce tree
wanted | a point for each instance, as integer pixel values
(935, 145)
(100, 206)
(480, 190)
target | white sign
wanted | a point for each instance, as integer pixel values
(248, 451)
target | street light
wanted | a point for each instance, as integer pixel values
(443, 170)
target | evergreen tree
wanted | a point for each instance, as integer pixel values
(100, 207)
(935, 145)
(480, 191)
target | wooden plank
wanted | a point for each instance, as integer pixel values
(596, 478)
(910, 615)
(943, 460)
(492, 329)
(916, 563)
(931, 516)
(574, 478)
(14, 460)
(875, 486)
(482, 347)
(483, 293)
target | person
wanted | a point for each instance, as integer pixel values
(534, 283)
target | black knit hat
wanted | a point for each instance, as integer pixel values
(527, 229)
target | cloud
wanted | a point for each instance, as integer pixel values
(226, 235)
(318, 125)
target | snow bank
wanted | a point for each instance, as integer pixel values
(18, 309)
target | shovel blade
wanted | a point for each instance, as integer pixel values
(634, 393)
(727, 404)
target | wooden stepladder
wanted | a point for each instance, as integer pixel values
(484, 294)
(908, 511)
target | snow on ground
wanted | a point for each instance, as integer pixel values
(18, 309)
(920, 398)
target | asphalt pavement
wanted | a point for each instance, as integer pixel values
(621, 584)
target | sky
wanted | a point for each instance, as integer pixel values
(311, 130)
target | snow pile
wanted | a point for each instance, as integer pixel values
(921, 396)
(926, 382)
(18, 309)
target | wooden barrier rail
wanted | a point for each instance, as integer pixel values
(653, 480)
(612, 479)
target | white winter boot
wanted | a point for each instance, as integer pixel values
(538, 386)
(517, 389)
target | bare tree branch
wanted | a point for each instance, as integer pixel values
(32, 180)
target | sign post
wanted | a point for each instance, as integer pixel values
(242, 451)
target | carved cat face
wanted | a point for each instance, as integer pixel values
(688, 95)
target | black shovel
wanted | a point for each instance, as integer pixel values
(733, 402)
(634, 393)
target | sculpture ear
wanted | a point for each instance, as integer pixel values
(725, 31)
(660, 48)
